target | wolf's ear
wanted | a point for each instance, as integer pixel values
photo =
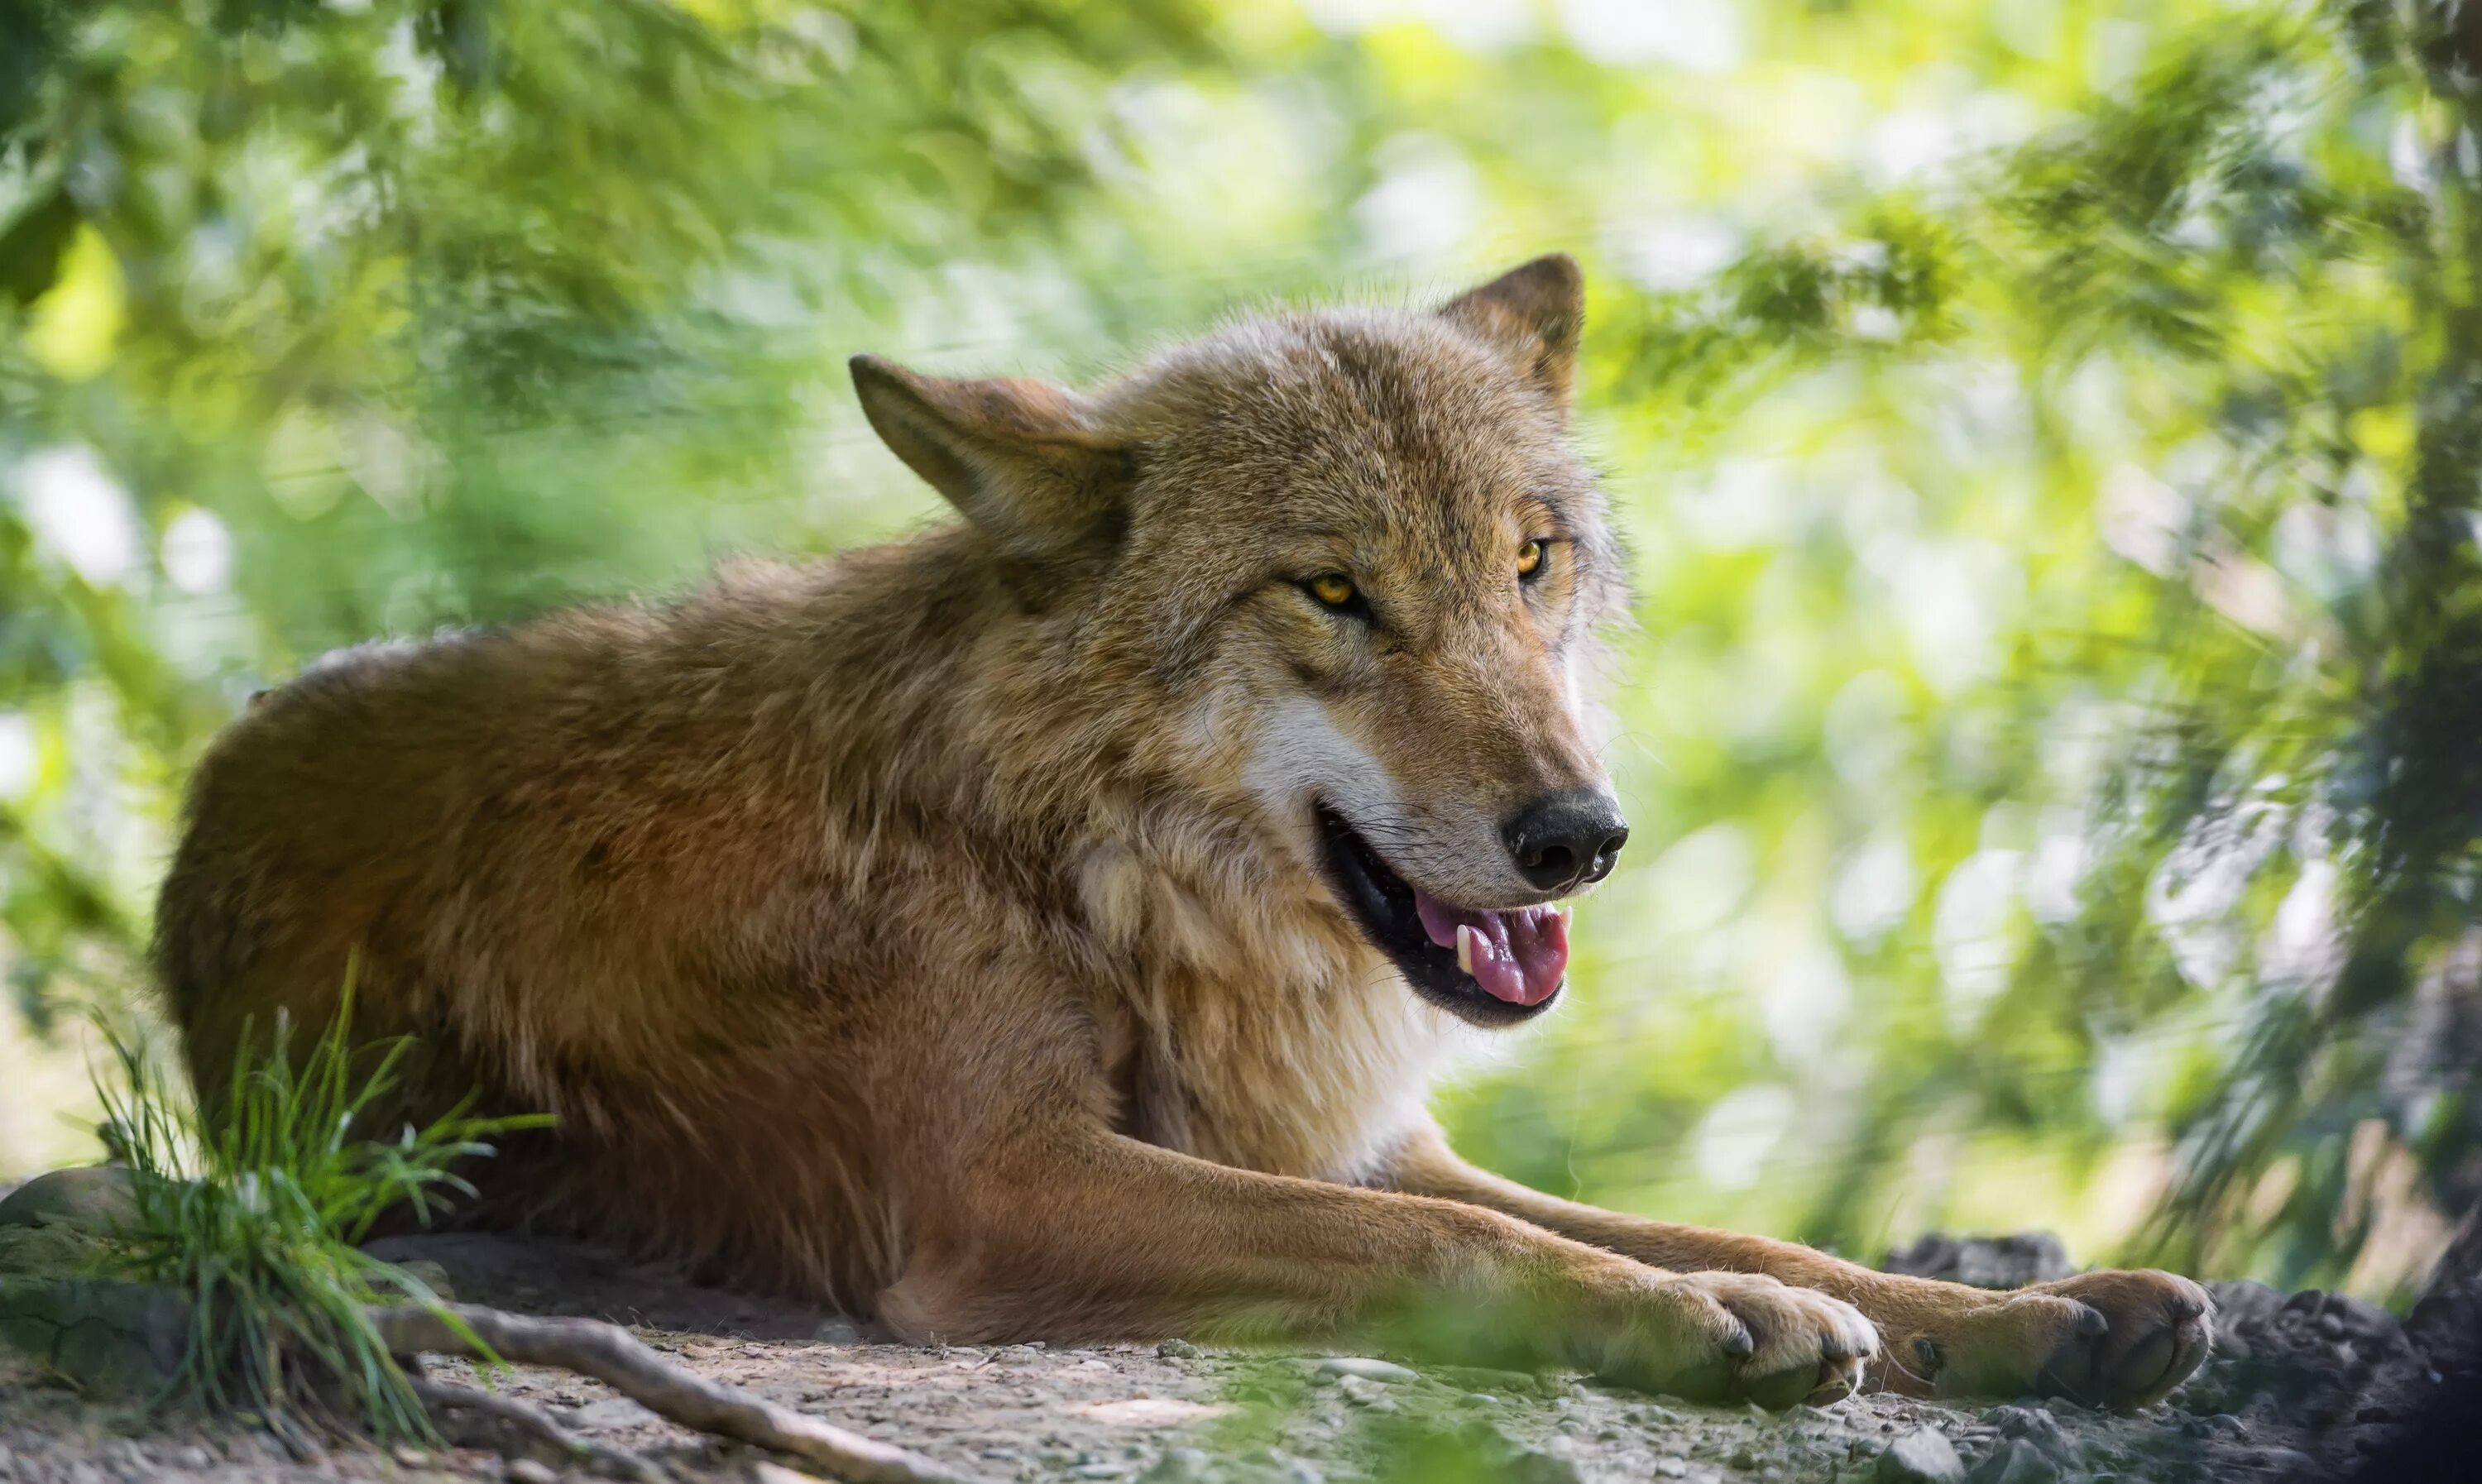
(1021, 458)
(1535, 313)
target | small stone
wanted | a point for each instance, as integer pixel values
(2015, 1461)
(1984, 1261)
(2282, 1463)
(2243, 1304)
(408, 1456)
(194, 1458)
(1672, 1468)
(837, 1331)
(1537, 1467)
(2033, 1424)
(1743, 1459)
(1097, 1472)
(1479, 1378)
(620, 1412)
(1091, 1364)
(530, 1471)
(1179, 1350)
(431, 1275)
(1178, 1466)
(1387, 1373)
(1922, 1456)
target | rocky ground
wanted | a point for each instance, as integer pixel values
(2301, 1386)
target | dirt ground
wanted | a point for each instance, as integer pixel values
(2301, 1384)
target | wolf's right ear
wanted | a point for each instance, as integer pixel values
(1019, 457)
(1534, 312)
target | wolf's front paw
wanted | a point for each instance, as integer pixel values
(2103, 1340)
(1742, 1337)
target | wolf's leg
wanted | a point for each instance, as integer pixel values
(2111, 1338)
(1102, 1237)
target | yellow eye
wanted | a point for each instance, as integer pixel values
(1333, 589)
(1529, 558)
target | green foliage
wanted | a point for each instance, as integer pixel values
(255, 1212)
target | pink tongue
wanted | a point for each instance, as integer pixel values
(1518, 956)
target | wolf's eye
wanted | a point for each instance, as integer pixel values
(1529, 560)
(1336, 589)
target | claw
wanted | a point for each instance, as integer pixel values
(1739, 1344)
(2091, 1321)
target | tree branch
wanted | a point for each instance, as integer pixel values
(614, 1357)
(448, 1397)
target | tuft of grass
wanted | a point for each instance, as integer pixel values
(253, 1210)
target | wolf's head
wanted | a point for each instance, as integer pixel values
(1355, 553)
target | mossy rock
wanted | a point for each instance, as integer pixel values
(49, 1251)
(95, 1197)
(103, 1334)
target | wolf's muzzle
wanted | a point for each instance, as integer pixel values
(1568, 839)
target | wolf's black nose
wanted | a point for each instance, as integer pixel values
(1567, 839)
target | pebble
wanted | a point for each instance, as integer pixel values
(1179, 1350)
(1536, 1468)
(409, 1456)
(531, 1470)
(1483, 1379)
(1367, 1369)
(2283, 1463)
(620, 1412)
(2033, 1424)
(192, 1457)
(1178, 1466)
(2015, 1461)
(1922, 1456)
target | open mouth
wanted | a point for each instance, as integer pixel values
(1489, 967)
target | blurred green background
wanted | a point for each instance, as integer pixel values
(2046, 433)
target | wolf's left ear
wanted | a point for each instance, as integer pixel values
(1535, 313)
(1020, 459)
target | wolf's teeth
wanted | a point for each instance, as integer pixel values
(1465, 948)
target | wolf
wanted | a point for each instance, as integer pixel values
(1048, 926)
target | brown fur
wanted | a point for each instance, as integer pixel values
(937, 930)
